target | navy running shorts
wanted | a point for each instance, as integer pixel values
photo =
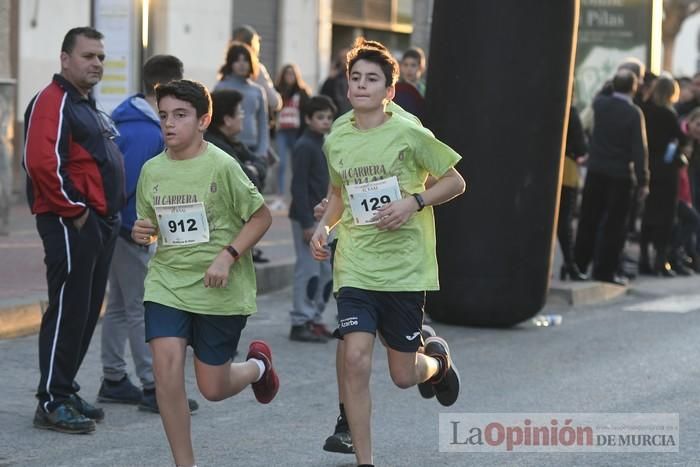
(398, 316)
(213, 338)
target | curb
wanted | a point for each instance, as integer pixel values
(25, 319)
(584, 293)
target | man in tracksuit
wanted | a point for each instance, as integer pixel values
(75, 187)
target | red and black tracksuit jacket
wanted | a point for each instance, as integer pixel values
(70, 156)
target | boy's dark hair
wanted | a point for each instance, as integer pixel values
(415, 53)
(624, 81)
(374, 52)
(160, 69)
(189, 91)
(224, 102)
(318, 104)
(69, 39)
(235, 50)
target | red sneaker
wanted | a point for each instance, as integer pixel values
(320, 329)
(266, 389)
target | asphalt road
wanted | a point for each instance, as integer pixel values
(609, 358)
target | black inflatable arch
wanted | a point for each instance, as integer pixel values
(498, 93)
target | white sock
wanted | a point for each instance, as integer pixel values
(261, 366)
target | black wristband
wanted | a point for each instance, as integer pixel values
(419, 200)
(232, 251)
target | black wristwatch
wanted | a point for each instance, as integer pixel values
(232, 251)
(419, 200)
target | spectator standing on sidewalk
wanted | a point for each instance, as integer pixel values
(249, 36)
(140, 139)
(75, 187)
(617, 166)
(295, 93)
(410, 89)
(226, 124)
(313, 279)
(200, 286)
(665, 139)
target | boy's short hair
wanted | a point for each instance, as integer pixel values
(161, 69)
(189, 91)
(415, 53)
(235, 50)
(224, 102)
(318, 104)
(374, 52)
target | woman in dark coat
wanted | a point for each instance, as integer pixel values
(663, 136)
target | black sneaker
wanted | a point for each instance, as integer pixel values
(149, 403)
(85, 408)
(446, 387)
(64, 418)
(304, 333)
(426, 389)
(119, 392)
(340, 441)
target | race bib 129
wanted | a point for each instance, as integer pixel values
(366, 198)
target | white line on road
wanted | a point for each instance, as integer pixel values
(676, 304)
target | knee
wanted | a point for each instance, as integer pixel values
(356, 361)
(402, 379)
(211, 392)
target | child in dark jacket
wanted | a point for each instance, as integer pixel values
(312, 279)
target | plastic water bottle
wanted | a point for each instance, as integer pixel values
(547, 320)
(670, 151)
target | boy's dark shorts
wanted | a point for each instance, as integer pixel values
(213, 338)
(398, 316)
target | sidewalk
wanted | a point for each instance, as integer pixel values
(23, 284)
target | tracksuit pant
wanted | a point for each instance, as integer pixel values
(77, 267)
(313, 282)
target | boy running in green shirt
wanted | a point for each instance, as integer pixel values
(206, 215)
(385, 258)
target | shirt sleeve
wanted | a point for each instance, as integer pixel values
(263, 130)
(432, 154)
(245, 199)
(47, 156)
(144, 206)
(335, 178)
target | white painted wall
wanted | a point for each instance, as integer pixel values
(305, 37)
(40, 46)
(686, 57)
(195, 32)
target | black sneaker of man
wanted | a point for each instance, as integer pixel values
(149, 403)
(426, 389)
(86, 408)
(119, 392)
(446, 383)
(64, 418)
(340, 441)
(258, 256)
(304, 333)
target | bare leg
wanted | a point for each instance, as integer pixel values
(408, 369)
(357, 367)
(219, 382)
(169, 372)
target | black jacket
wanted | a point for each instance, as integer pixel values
(618, 146)
(309, 177)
